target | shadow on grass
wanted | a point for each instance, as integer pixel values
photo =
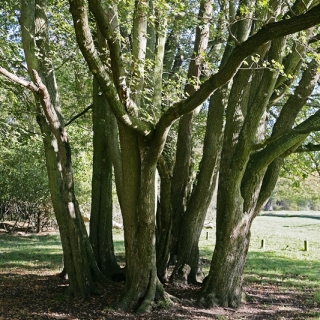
(34, 297)
(42, 296)
(30, 252)
(269, 267)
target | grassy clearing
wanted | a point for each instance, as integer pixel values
(283, 262)
(31, 253)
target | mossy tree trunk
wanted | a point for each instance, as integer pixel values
(142, 140)
(193, 219)
(138, 210)
(250, 166)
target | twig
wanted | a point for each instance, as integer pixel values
(79, 114)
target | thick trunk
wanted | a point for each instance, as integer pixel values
(101, 205)
(141, 273)
(223, 286)
(138, 208)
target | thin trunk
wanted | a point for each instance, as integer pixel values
(193, 219)
(101, 205)
(181, 171)
(78, 256)
(284, 123)
(164, 221)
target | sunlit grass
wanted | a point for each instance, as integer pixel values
(283, 261)
(30, 252)
(34, 252)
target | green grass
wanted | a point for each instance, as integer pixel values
(30, 252)
(283, 261)
(34, 252)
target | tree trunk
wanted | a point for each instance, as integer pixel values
(101, 205)
(181, 172)
(180, 179)
(78, 256)
(223, 286)
(141, 273)
(164, 221)
(193, 219)
(138, 208)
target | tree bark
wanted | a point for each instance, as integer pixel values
(101, 199)
(248, 177)
(138, 209)
(193, 219)
(227, 265)
(181, 172)
(164, 221)
(78, 255)
(142, 143)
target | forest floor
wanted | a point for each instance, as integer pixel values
(281, 281)
(41, 296)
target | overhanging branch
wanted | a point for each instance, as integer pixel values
(310, 147)
(79, 115)
(27, 84)
(91, 55)
(268, 32)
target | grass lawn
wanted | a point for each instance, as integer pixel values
(282, 280)
(34, 252)
(283, 261)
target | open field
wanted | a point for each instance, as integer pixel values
(282, 280)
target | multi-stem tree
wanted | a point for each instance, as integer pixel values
(135, 48)
(137, 44)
